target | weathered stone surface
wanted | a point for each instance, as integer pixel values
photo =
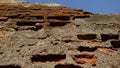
(41, 36)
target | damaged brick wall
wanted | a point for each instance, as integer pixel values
(42, 36)
(40, 15)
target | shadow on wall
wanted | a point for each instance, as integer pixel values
(10, 66)
(67, 66)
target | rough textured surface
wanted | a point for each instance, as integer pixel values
(11, 1)
(57, 37)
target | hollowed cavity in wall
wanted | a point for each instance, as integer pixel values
(14, 16)
(39, 27)
(68, 41)
(87, 37)
(59, 18)
(67, 66)
(53, 24)
(25, 23)
(89, 49)
(48, 58)
(84, 16)
(115, 44)
(105, 37)
(10, 66)
(40, 17)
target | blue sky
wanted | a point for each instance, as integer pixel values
(95, 6)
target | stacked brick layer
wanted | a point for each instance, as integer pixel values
(39, 15)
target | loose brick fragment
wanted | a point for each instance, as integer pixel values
(107, 50)
(83, 60)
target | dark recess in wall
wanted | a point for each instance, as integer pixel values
(115, 44)
(105, 37)
(57, 24)
(25, 23)
(82, 48)
(87, 37)
(50, 58)
(67, 66)
(10, 66)
(60, 17)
